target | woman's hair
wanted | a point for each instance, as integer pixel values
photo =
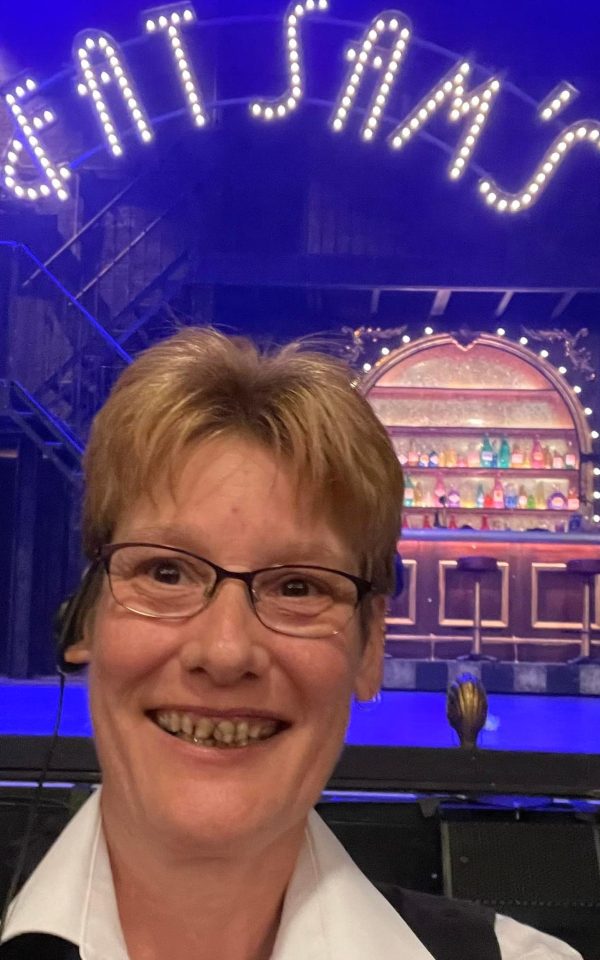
(300, 404)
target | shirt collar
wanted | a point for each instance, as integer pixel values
(331, 911)
(71, 893)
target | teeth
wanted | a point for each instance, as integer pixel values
(241, 734)
(187, 724)
(203, 729)
(215, 731)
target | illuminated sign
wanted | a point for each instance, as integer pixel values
(375, 61)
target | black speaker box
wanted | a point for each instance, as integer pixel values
(545, 873)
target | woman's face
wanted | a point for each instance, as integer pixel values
(234, 504)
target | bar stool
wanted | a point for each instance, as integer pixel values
(477, 566)
(587, 569)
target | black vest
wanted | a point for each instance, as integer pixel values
(450, 929)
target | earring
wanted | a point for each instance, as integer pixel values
(371, 704)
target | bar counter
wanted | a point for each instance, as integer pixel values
(531, 607)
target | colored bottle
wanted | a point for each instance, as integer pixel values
(522, 498)
(452, 523)
(434, 459)
(423, 459)
(527, 458)
(409, 492)
(498, 495)
(558, 461)
(461, 458)
(451, 457)
(531, 504)
(510, 496)
(485, 523)
(439, 491)
(488, 500)
(479, 497)
(413, 455)
(468, 499)
(570, 456)
(516, 457)
(418, 494)
(472, 456)
(504, 455)
(442, 457)
(495, 454)
(537, 454)
(402, 455)
(557, 500)
(426, 522)
(486, 453)
(547, 458)
(453, 498)
(573, 499)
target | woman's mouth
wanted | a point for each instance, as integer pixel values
(223, 732)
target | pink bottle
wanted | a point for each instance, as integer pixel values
(498, 495)
(439, 490)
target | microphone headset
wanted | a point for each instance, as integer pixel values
(69, 621)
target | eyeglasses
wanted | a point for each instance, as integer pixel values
(167, 583)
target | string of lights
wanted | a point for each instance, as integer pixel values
(278, 108)
(50, 180)
(101, 62)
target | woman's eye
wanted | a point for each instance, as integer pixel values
(167, 573)
(294, 588)
(298, 588)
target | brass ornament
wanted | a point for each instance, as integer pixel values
(467, 708)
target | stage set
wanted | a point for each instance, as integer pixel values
(428, 213)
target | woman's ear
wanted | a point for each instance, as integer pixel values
(369, 676)
(78, 654)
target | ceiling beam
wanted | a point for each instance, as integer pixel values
(504, 302)
(563, 303)
(375, 295)
(440, 302)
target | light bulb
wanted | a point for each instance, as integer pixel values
(523, 340)
(501, 332)
(366, 367)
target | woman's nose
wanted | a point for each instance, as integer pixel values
(226, 640)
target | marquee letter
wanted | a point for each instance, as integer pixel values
(51, 178)
(276, 109)
(108, 65)
(368, 54)
(452, 85)
(170, 19)
(582, 131)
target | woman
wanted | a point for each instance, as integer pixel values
(241, 515)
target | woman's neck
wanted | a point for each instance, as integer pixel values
(204, 906)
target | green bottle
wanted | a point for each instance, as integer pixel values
(487, 452)
(504, 459)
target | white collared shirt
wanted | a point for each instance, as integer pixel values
(331, 911)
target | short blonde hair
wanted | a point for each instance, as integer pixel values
(301, 404)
